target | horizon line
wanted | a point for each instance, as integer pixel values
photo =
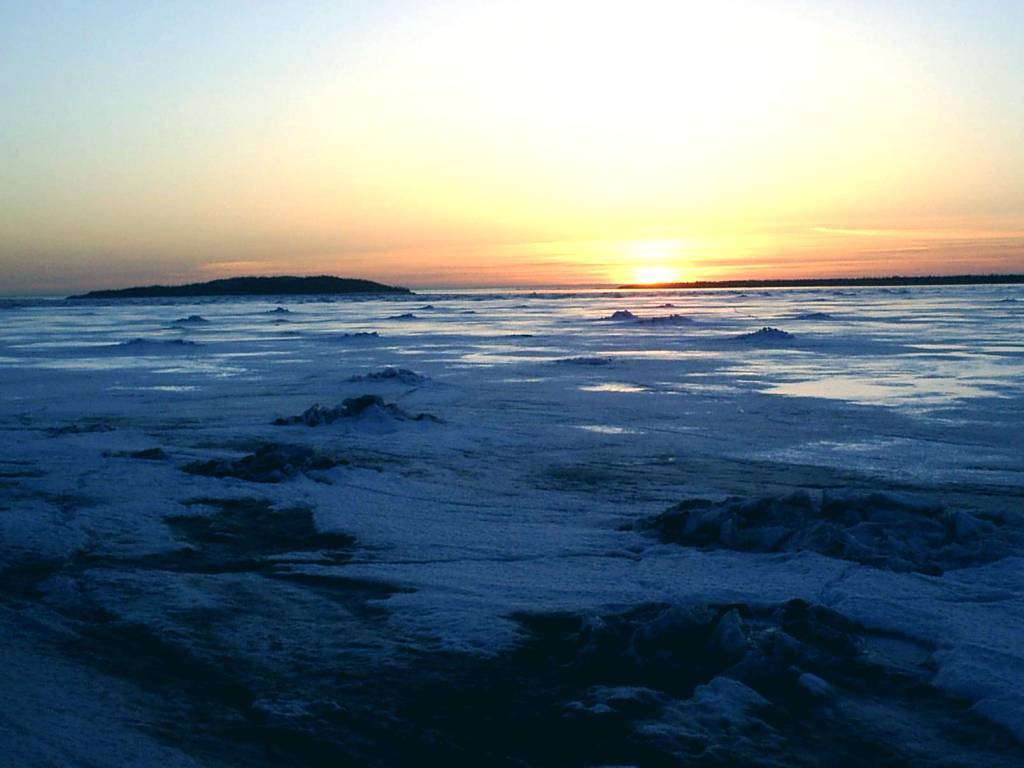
(990, 278)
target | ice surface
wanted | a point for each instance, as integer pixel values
(170, 556)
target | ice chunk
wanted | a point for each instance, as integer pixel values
(397, 375)
(765, 336)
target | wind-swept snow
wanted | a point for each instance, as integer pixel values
(698, 542)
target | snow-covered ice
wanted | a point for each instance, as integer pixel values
(777, 527)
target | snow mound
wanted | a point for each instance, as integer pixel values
(146, 454)
(154, 345)
(191, 320)
(244, 534)
(881, 530)
(673, 319)
(625, 316)
(765, 335)
(397, 375)
(403, 316)
(352, 336)
(278, 311)
(149, 454)
(271, 463)
(621, 315)
(814, 316)
(584, 361)
(364, 406)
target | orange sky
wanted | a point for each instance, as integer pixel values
(459, 143)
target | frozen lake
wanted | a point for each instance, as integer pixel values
(564, 528)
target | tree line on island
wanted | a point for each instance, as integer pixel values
(284, 285)
(840, 282)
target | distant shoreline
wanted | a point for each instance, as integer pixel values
(836, 282)
(284, 285)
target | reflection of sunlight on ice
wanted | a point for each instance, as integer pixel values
(663, 354)
(93, 364)
(63, 344)
(694, 387)
(155, 388)
(486, 358)
(864, 455)
(612, 386)
(882, 391)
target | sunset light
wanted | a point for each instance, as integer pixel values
(437, 143)
(654, 273)
(653, 261)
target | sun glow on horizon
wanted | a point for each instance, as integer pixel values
(655, 273)
(654, 261)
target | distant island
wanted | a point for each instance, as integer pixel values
(285, 285)
(839, 282)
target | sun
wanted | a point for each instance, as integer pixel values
(654, 273)
(653, 261)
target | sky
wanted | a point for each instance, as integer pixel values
(508, 143)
